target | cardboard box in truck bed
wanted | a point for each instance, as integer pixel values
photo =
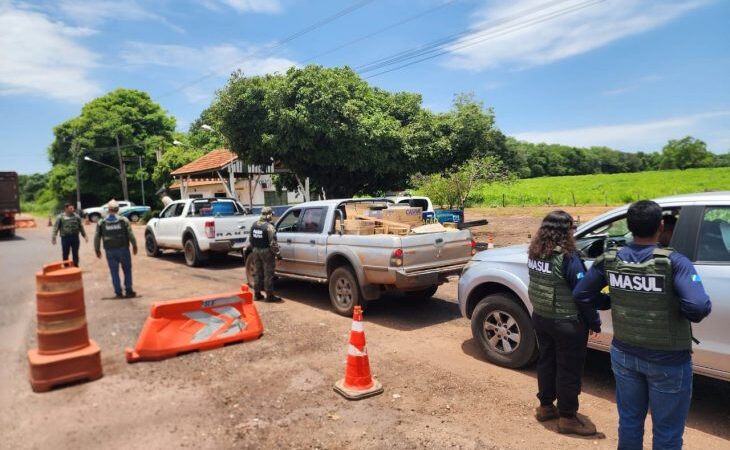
(403, 214)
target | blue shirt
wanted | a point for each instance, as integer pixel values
(694, 303)
(573, 271)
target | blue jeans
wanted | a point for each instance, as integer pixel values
(115, 257)
(642, 385)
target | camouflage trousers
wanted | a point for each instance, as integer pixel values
(265, 263)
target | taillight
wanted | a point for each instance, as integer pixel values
(210, 229)
(396, 259)
(473, 247)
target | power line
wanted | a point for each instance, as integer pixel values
(382, 30)
(481, 37)
(269, 48)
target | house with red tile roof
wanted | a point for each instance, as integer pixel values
(221, 173)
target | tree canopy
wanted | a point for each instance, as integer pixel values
(125, 117)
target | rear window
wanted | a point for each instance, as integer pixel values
(206, 208)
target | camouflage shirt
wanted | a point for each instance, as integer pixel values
(68, 225)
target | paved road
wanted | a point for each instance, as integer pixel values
(276, 392)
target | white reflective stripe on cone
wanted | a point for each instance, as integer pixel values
(353, 351)
(357, 326)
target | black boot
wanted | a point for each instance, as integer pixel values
(258, 296)
(270, 297)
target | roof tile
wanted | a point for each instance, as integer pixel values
(209, 162)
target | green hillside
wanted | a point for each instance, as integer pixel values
(602, 189)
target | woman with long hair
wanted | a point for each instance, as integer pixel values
(561, 325)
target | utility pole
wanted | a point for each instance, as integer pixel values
(122, 171)
(141, 181)
(76, 152)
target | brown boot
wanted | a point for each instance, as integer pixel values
(546, 412)
(579, 424)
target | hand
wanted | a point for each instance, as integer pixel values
(594, 334)
(86, 239)
(134, 249)
(53, 240)
(98, 254)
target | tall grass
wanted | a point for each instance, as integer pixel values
(602, 189)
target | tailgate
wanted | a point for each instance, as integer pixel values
(227, 229)
(432, 250)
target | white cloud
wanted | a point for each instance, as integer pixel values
(541, 42)
(632, 85)
(255, 6)
(86, 12)
(43, 57)
(711, 127)
(218, 59)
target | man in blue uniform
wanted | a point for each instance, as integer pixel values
(654, 295)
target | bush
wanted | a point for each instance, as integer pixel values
(147, 216)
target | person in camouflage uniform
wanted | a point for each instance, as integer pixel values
(69, 225)
(264, 253)
(116, 232)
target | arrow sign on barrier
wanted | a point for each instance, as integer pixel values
(214, 323)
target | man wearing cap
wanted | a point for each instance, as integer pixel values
(265, 252)
(164, 198)
(116, 232)
(68, 224)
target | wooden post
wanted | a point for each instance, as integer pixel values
(574, 202)
(503, 200)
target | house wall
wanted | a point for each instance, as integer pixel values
(259, 198)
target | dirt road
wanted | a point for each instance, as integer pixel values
(276, 392)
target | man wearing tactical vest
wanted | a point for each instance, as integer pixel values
(265, 251)
(69, 225)
(116, 232)
(561, 326)
(655, 293)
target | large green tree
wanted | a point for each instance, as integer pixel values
(323, 123)
(124, 123)
(686, 153)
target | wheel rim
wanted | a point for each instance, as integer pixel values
(150, 243)
(94, 218)
(343, 292)
(189, 251)
(502, 332)
(134, 217)
(250, 271)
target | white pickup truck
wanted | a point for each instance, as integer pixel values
(198, 227)
(359, 268)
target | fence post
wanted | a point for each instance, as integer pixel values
(574, 202)
(503, 200)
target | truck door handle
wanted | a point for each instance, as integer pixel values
(312, 242)
(439, 240)
(288, 241)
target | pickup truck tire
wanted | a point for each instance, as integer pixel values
(422, 294)
(194, 257)
(134, 217)
(250, 271)
(150, 245)
(344, 291)
(504, 331)
(94, 217)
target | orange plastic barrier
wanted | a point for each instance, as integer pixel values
(25, 223)
(65, 353)
(204, 323)
(357, 383)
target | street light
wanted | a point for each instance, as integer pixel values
(86, 158)
(207, 127)
(176, 142)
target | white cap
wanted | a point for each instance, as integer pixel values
(112, 204)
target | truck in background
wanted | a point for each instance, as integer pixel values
(9, 203)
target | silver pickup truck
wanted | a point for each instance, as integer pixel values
(360, 268)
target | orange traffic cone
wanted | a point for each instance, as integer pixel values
(358, 383)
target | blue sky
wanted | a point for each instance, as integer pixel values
(629, 74)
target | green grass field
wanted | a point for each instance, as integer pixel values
(602, 189)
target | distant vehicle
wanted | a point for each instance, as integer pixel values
(9, 203)
(417, 202)
(358, 268)
(126, 209)
(199, 227)
(493, 286)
